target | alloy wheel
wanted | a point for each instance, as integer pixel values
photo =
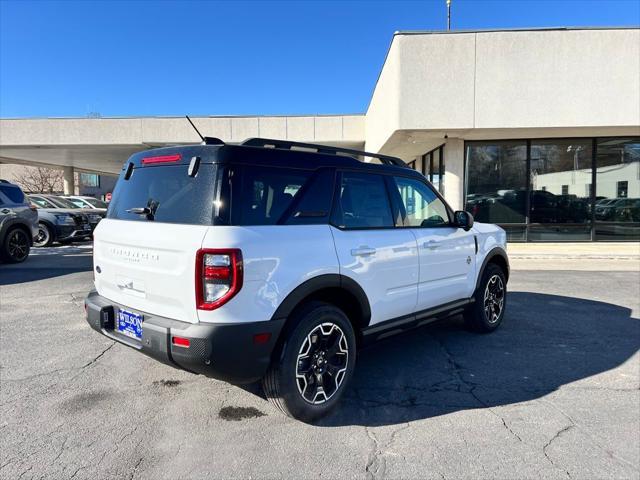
(322, 363)
(494, 298)
(18, 245)
(43, 236)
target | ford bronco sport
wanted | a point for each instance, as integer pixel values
(274, 260)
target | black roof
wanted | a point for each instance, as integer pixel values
(276, 153)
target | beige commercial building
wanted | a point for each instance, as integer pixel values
(536, 130)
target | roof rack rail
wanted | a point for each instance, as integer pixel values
(2, 180)
(287, 145)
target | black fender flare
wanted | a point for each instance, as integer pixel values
(492, 254)
(330, 280)
(9, 223)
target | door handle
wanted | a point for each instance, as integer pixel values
(431, 244)
(362, 251)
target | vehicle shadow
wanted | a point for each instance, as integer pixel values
(546, 341)
(46, 263)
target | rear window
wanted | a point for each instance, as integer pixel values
(14, 194)
(170, 195)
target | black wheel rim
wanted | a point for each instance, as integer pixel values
(322, 363)
(18, 245)
(494, 299)
(43, 236)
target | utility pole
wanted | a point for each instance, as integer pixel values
(448, 15)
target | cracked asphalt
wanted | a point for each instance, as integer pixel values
(555, 393)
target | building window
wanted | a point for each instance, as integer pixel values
(433, 167)
(623, 188)
(496, 182)
(556, 198)
(617, 207)
(90, 180)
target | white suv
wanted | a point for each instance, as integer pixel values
(275, 260)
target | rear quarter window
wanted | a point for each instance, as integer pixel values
(13, 193)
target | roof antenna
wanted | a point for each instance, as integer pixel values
(195, 128)
(205, 140)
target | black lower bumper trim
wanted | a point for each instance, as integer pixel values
(223, 351)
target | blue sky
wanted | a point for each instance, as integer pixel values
(214, 58)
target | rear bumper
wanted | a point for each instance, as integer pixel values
(223, 351)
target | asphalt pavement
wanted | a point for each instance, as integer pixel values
(555, 393)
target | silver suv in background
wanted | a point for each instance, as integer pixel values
(57, 224)
(18, 223)
(94, 215)
(87, 202)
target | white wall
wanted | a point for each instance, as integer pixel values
(606, 181)
(551, 79)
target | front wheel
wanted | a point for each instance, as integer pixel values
(315, 364)
(44, 238)
(487, 312)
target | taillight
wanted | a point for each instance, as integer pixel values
(218, 276)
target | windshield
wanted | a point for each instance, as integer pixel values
(95, 202)
(77, 202)
(168, 194)
(41, 202)
(62, 202)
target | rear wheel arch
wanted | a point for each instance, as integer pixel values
(334, 289)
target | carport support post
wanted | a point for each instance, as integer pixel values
(69, 184)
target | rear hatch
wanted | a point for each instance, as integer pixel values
(145, 250)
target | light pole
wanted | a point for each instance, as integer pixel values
(448, 15)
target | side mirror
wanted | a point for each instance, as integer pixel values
(463, 220)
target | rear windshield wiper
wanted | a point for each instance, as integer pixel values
(139, 210)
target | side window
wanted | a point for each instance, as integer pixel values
(422, 206)
(41, 202)
(265, 194)
(315, 203)
(362, 202)
(14, 194)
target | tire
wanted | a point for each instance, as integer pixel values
(45, 236)
(314, 364)
(16, 246)
(487, 312)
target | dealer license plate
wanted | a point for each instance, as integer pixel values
(130, 324)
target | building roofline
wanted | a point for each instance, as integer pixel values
(489, 30)
(173, 117)
(497, 30)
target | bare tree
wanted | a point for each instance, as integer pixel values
(40, 180)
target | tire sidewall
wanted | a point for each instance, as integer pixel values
(489, 272)
(309, 319)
